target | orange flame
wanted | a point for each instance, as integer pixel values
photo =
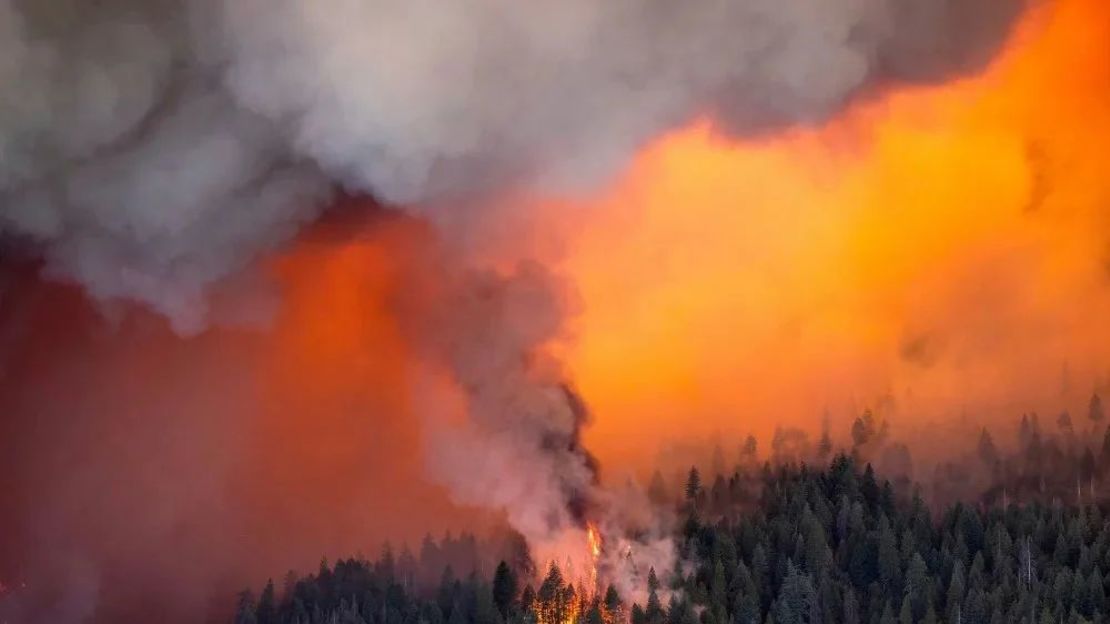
(593, 540)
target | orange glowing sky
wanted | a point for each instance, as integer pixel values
(940, 253)
(733, 286)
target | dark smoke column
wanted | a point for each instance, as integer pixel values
(504, 432)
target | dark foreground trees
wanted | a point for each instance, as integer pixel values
(832, 546)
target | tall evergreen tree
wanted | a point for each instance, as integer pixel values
(267, 605)
(693, 484)
(1094, 410)
(247, 610)
(654, 613)
(797, 598)
(504, 588)
(988, 453)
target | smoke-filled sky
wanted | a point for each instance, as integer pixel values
(948, 246)
(151, 149)
(717, 217)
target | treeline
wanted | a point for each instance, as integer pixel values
(1063, 459)
(831, 546)
(1067, 461)
(839, 546)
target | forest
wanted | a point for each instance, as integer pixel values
(819, 541)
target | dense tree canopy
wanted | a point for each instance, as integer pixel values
(830, 546)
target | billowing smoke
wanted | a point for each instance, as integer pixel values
(153, 150)
(503, 422)
(516, 445)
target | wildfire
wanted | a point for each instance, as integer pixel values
(565, 597)
(593, 540)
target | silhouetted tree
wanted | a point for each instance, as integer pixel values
(693, 484)
(504, 588)
(987, 451)
(267, 605)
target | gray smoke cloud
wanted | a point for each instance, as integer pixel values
(504, 432)
(151, 148)
(510, 438)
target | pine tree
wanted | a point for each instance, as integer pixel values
(593, 614)
(267, 607)
(638, 616)
(654, 611)
(955, 596)
(905, 614)
(1096, 592)
(485, 607)
(550, 597)
(888, 615)
(1104, 456)
(890, 566)
(613, 605)
(796, 599)
(1064, 422)
(917, 586)
(987, 451)
(749, 452)
(824, 445)
(247, 611)
(445, 596)
(458, 614)
(975, 605)
(693, 484)
(719, 587)
(851, 607)
(745, 596)
(504, 588)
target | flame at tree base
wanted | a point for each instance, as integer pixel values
(564, 597)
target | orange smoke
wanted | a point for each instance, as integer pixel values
(335, 423)
(939, 254)
(934, 253)
(252, 452)
(940, 250)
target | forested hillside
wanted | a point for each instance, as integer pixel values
(830, 546)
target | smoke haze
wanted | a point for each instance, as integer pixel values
(147, 477)
(939, 256)
(704, 220)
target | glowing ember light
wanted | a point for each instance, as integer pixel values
(593, 539)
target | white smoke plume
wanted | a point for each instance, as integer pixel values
(509, 437)
(151, 148)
